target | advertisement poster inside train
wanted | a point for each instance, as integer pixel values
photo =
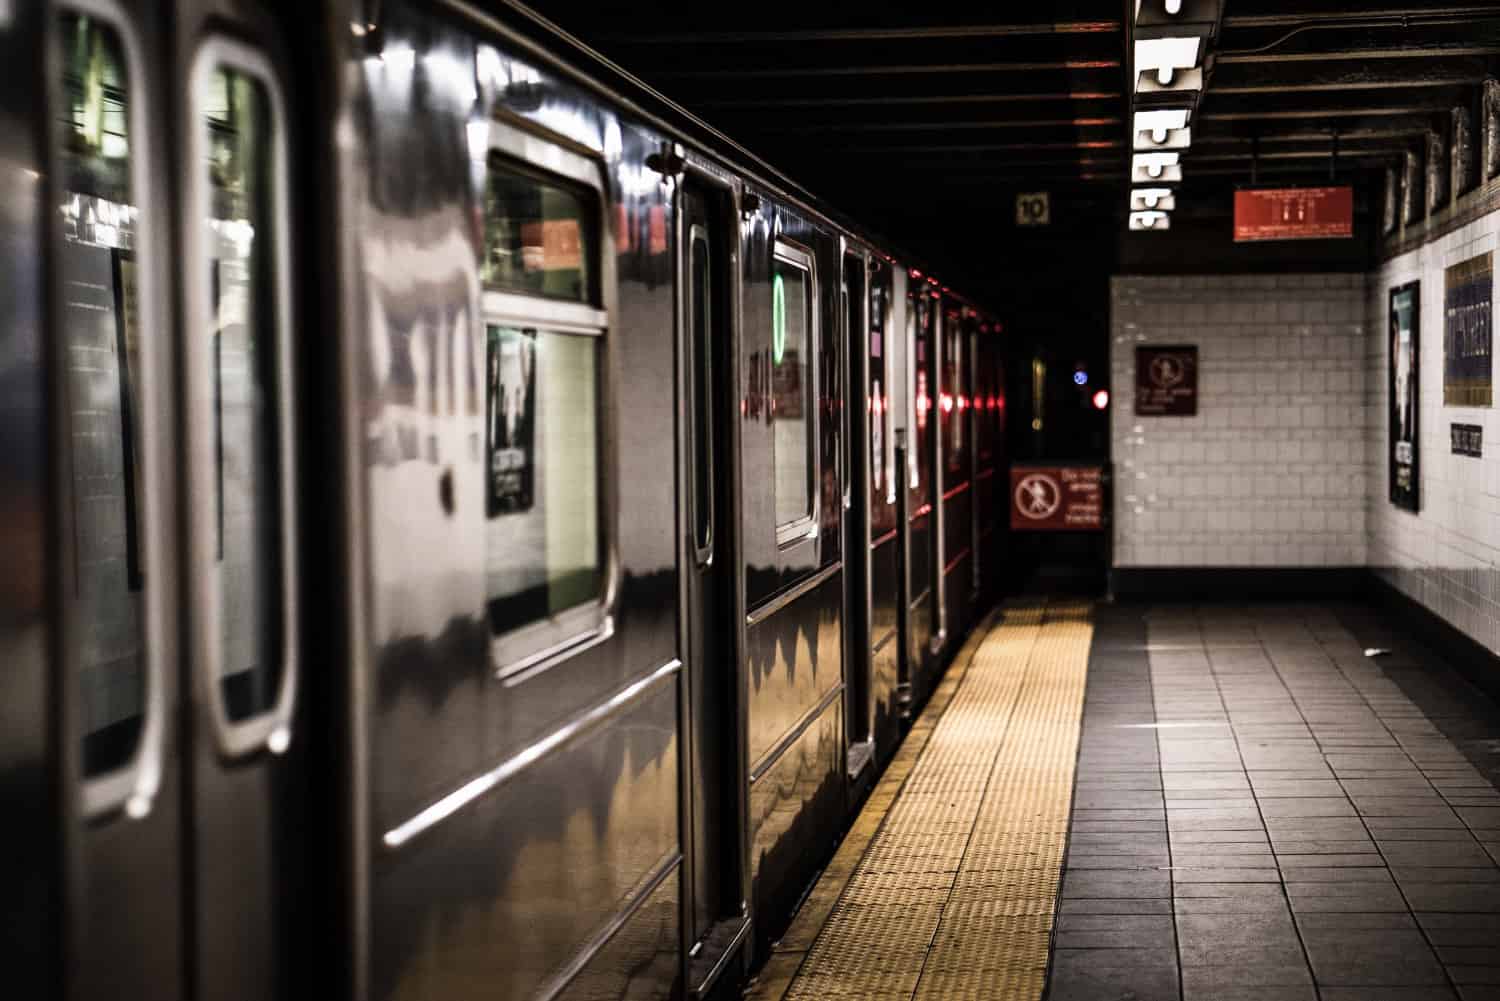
(1468, 336)
(1402, 392)
(510, 426)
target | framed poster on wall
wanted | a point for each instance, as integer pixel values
(1467, 291)
(1402, 382)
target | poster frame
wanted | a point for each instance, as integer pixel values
(1409, 499)
(1462, 389)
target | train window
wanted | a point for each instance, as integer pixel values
(921, 315)
(884, 477)
(545, 541)
(954, 398)
(234, 111)
(880, 416)
(100, 333)
(539, 235)
(793, 389)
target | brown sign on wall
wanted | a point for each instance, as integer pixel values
(1056, 498)
(1166, 380)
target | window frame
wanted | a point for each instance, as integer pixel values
(703, 457)
(887, 369)
(524, 651)
(133, 785)
(805, 527)
(271, 728)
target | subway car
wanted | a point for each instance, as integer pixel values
(472, 530)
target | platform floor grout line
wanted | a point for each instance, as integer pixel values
(1324, 839)
(954, 895)
(790, 951)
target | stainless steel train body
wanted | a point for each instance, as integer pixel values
(472, 530)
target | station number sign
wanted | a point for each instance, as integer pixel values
(1034, 208)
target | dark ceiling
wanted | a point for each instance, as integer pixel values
(923, 119)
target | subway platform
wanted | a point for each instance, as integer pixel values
(1157, 802)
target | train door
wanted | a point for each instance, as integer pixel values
(31, 865)
(114, 600)
(922, 568)
(242, 770)
(856, 443)
(974, 415)
(716, 915)
(939, 403)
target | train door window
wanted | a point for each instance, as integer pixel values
(545, 544)
(793, 389)
(100, 334)
(923, 312)
(700, 315)
(238, 361)
(954, 398)
(234, 108)
(883, 475)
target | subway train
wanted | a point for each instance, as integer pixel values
(472, 530)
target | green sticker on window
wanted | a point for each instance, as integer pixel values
(778, 320)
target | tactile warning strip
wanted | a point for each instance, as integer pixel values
(954, 896)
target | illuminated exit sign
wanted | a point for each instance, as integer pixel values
(1293, 213)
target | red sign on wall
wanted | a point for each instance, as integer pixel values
(1293, 213)
(1056, 498)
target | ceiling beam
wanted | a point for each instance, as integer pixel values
(1320, 114)
(906, 117)
(1368, 54)
(939, 125)
(1299, 13)
(1295, 168)
(1249, 78)
(864, 34)
(1333, 104)
(1375, 128)
(1246, 155)
(994, 147)
(899, 100)
(888, 69)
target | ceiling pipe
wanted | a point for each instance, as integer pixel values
(1437, 171)
(1461, 152)
(1489, 124)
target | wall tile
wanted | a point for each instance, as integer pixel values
(1446, 556)
(1272, 470)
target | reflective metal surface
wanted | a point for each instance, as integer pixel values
(468, 804)
(550, 859)
(28, 794)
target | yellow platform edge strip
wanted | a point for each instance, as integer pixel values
(946, 885)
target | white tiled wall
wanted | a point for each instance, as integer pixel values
(1272, 470)
(1446, 556)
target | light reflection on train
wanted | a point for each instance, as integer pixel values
(496, 530)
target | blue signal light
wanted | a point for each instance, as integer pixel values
(1080, 378)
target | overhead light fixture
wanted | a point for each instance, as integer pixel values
(1165, 56)
(1169, 174)
(1155, 165)
(1175, 139)
(1159, 122)
(1149, 221)
(1184, 82)
(1152, 199)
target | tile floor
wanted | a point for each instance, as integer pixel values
(1264, 813)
